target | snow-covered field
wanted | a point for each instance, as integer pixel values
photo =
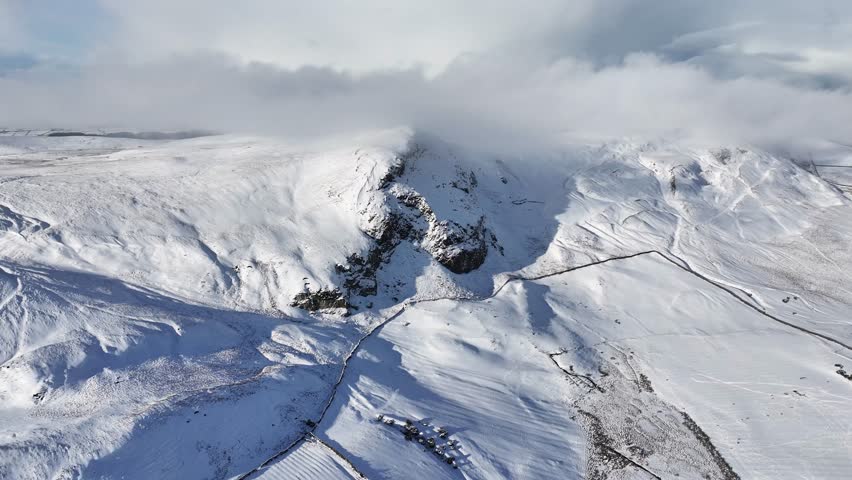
(391, 306)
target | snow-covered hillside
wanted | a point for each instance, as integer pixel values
(391, 306)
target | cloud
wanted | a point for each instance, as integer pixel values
(483, 100)
(15, 62)
(493, 73)
(803, 54)
(10, 34)
(356, 36)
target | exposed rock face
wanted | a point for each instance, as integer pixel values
(461, 249)
(393, 211)
(360, 271)
(320, 299)
(397, 168)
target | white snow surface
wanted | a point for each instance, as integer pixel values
(644, 310)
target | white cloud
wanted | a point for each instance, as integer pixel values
(11, 38)
(796, 52)
(357, 35)
(487, 101)
(491, 72)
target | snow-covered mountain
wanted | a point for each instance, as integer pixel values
(392, 306)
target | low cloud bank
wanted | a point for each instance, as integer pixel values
(485, 73)
(481, 101)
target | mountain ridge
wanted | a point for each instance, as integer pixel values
(163, 318)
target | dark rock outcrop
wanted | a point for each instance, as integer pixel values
(462, 249)
(320, 299)
(394, 212)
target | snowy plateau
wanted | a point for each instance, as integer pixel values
(391, 306)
